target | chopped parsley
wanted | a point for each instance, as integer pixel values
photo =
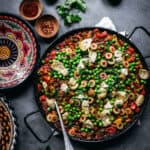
(66, 10)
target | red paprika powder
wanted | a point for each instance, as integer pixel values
(30, 9)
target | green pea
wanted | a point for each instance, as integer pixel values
(67, 105)
(111, 110)
(84, 90)
(126, 55)
(110, 89)
(131, 69)
(42, 91)
(136, 55)
(78, 116)
(112, 118)
(97, 81)
(100, 109)
(125, 44)
(50, 61)
(70, 117)
(42, 61)
(49, 109)
(47, 93)
(95, 123)
(118, 71)
(97, 86)
(80, 113)
(134, 69)
(111, 102)
(86, 130)
(82, 129)
(73, 66)
(116, 86)
(97, 101)
(71, 74)
(107, 42)
(100, 124)
(120, 49)
(101, 46)
(74, 63)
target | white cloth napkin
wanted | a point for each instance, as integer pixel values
(106, 22)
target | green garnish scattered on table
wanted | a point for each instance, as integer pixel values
(66, 10)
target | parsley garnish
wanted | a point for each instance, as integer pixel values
(66, 10)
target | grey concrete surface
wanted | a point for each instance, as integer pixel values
(126, 15)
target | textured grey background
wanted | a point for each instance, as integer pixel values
(126, 15)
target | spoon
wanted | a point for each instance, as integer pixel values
(68, 145)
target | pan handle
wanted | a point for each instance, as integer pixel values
(32, 131)
(136, 28)
(142, 28)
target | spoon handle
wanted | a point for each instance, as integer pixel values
(68, 145)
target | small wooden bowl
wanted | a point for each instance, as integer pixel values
(47, 26)
(30, 10)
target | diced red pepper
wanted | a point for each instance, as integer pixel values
(98, 35)
(104, 34)
(96, 30)
(44, 69)
(46, 78)
(39, 87)
(46, 60)
(111, 130)
(137, 86)
(127, 87)
(43, 98)
(67, 42)
(137, 109)
(121, 42)
(83, 134)
(95, 128)
(57, 84)
(51, 80)
(101, 35)
(53, 54)
(137, 67)
(71, 93)
(143, 92)
(62, 45)
(71, 101)
(131, 59)
(128, 120)
(94, 38)
(128, 52)
(98, 136)
(109, 37)
(131, 50)
(133, 106)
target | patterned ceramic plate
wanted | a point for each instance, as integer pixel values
(7, 127)
(18, 51)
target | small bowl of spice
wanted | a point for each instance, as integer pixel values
(47, 26)
(30, 10)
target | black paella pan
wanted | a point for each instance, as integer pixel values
(136, 116)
